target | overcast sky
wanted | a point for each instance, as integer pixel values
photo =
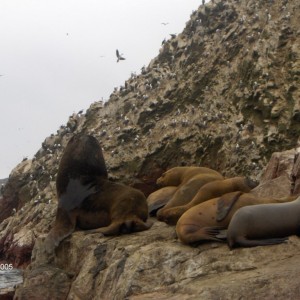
(57, 57)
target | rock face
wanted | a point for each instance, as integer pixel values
(224, 94)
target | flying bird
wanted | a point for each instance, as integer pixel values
(119, 56)
(164, 23)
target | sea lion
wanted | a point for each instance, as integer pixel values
(123, 209)
(189, 180)
(82, 159)
(86, 197)
(208, 191)
(180, 175)
(159, 198)
(203, 221)
(264, 224)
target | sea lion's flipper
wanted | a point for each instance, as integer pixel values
(154, 207)
(112, 229)
(213, 232)
(134, 225)
(127, 226)
(222, 235)
(190, 233)
(64, 225)
(160, 198)
(225, 204)
(243, 242)
(141, 226)
(75, 193)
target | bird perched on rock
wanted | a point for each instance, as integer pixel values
(119, 56)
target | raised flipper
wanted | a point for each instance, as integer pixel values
(75, 193)
(243, 242)
(225, 204)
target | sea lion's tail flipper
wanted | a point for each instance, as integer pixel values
(243, 242)
(225, 203)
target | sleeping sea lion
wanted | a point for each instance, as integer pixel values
(264, 224)
(180, 175)
(86, 197)
(159, 198)
(208, 191)
(189, 180)
(203, 221)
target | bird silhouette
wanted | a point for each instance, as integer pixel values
(164, 23)
(119, 56)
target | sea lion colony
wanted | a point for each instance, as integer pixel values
(198, 200)
(210, 208)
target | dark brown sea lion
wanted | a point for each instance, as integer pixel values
(189, 180)
(201, 221)
(82, 159)
(160, 198)
(264, 224)
(86, 197)
(208, 191)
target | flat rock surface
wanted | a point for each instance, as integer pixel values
(154, 265)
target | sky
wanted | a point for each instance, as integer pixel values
(58, 57)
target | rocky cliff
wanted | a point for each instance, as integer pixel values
(224, 94)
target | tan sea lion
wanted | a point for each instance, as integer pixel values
(208, 191)
(203, 221)
(189, 180)
(86, 197)
(264, 224)
(180, 175)
(159, 198)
